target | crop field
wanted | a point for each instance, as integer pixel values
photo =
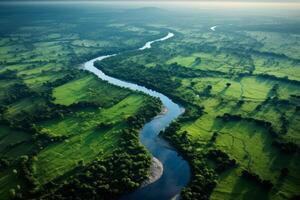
(55, 118)
(63, 129)
(86, 138)
(103, 94)
(246, 85)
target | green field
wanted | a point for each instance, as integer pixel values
(56, 119)
(62, 129)
(240, 88)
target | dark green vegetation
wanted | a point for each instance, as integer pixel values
(240, 86)
(61, 128)
(65, 133)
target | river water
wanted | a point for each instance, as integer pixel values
(176, 172)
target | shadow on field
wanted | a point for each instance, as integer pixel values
(241, 190)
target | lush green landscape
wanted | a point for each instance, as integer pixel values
(66, 134)
(58, 120)
(241, 91)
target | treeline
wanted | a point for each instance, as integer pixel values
(203, 177)
(284, 79)
(222, 160)
(286, 147)
(153, 107)
(254, 177)
(160, 78)
(192, 112)
(268, 125)
(149, 77)
(109, 177)
(16, 91)
(46, 109)
(60, 81)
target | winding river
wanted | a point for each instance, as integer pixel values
(176, 171)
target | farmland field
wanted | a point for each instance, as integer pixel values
(66, 134)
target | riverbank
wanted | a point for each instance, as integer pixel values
(176, 170)
(156, 171)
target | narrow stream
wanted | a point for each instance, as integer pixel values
(176, 171)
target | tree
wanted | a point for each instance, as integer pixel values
(284, 172)
(197, 61)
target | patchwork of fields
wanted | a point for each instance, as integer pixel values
(56, 120)
(247, 87)
(64, 130)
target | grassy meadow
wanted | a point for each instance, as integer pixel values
(56, 119)
(64, 130)
(240, 86)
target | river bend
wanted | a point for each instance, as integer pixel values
(176, 171)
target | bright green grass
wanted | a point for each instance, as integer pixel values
(252, 147)
(279, 43)
(218, 61)
(232, 186)
(86, 142)
(35, 82)
(279, 67)
(73, 124)
(16, 67)
(248, 143)
(88, 88)
(37, 70)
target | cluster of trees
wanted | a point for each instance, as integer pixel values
(192, 112)
(275, 78)
(214, 137)
(274, 91)
(295, 96)
(221, 159)
(121, 172)
(105, 125)
(152, 108)
(254, 177)
(203, 182)
(156, 77)
(268, 125)
(22, 168)
(286, 147)
(197, 61)
(207, 91)
(60, 81)
(25, 120)
(4, 163)
(17, 91)
(8, 74)
(284, 124)
(107, 178)
(104, 178)
(204, 178)
(26, 172)
(185, 72)
(160, 77)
